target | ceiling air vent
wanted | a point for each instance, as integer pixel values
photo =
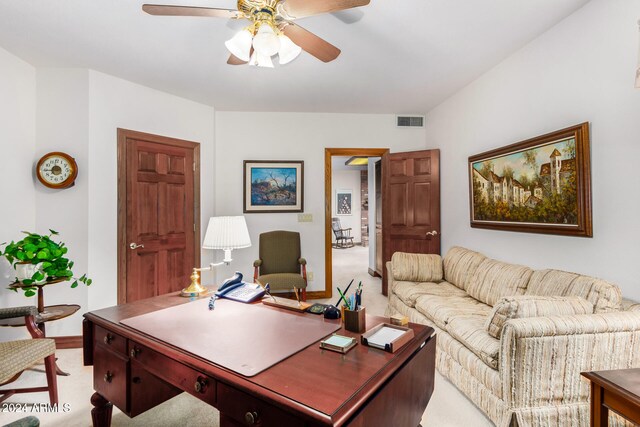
(410, 121)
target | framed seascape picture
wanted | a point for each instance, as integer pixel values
(343, 202)
(273, 186)
(541, 185)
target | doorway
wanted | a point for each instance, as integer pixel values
(348, 205)
(158, 214)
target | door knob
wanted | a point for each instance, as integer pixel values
(432, 233)
(133, 245)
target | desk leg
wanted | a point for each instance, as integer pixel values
(599, 412)
(101, 413)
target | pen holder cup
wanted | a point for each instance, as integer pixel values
(355, 320)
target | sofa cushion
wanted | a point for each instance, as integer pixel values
(494, 280)
(518, 307)
(603, 295)
(460, 264)
(470, 331)
(408, 292)
(441, 309)
(416, 267)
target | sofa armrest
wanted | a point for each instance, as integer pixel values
(541, 358)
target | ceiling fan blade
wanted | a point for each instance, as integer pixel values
(309, 42)
(301, 8)
(234, 60)
(167, 10)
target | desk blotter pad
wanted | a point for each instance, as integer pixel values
(245, 338)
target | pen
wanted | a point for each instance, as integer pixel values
(345, 291)
(297, 295)
(343, 298)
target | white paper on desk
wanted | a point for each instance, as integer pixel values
(384, 336)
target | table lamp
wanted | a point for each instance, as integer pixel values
(223, 232)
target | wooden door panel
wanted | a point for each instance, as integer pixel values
(160, 214)
(411, 200)
(146, 216)
(176, 209)
(397, 200)
(422, 204)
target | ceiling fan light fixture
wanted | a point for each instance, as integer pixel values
(240, 45)
(266, 42)
(288, 50)
(261, 60)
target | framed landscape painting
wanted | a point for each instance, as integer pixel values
(273, 186)
(541, 185)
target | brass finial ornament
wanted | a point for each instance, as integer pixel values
(195, 289)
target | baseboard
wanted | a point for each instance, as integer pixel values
(74, 341)
(374, 273)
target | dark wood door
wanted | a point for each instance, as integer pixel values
(161, 216)
(411, 212)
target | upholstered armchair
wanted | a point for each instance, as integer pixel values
(280, 263)
(17, 356)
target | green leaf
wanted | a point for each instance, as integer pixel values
(21, 256)
(30, 255)
(43, 254)
(30, 247)
(27, 281)
(13, 289)
(29, 293)
(54, 232)
(38, 276)
(74, 284)
(45, 264)
(89, 282)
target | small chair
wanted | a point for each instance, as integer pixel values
(17, 356)
(280, 263)
(343, 235)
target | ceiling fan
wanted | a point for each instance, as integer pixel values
(271, 30)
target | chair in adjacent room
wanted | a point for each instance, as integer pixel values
(343, 235)
(280, 263)
(17, 356)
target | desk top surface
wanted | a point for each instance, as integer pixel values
(321, 380)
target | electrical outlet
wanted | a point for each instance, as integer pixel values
(309, 276)
(305, 217)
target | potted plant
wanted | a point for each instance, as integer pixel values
(38, 259)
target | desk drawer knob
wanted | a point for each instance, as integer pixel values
(108, 377)
(108, 338)
(134, 352)
(201, 385)
(251, 418)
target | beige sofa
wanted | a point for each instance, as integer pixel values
(512, 339)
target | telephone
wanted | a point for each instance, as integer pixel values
(235, 289)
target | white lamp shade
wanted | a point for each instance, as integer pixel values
(288, 50)
(240, 45)
(265, 41)
(227, 232)
(261, 60)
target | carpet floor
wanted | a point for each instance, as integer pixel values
(447, 408)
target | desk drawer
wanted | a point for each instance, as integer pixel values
(175, 373)
(110, 340)
(110, 376)
(244, 409)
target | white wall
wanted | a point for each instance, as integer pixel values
(17, 147)
(117, 103)
(62, 124)
(348, 180)
(294, 136)
(580, 70)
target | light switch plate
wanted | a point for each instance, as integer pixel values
(305, 217)
(309, 276)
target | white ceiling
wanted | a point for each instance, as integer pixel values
(402, 56)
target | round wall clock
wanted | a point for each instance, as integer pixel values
(57, 170)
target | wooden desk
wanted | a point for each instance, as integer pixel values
(136, 372)
(617, 390)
